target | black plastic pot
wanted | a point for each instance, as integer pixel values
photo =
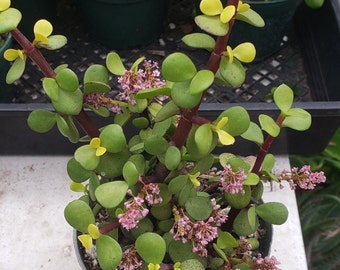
(122, 24)
(34, 10)
(277, 15)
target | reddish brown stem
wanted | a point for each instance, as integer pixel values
(263, 151)
(109, 227)
(185, 123)
(36, 56)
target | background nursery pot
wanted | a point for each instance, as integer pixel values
(277, 15)
(34, 10)
(124, 23)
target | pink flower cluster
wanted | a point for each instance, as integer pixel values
(135, 208)
(266, 263)
(132, 82)
(304, 178)
(130, 260)
(135, 211)
(232, 182)
(99, 100)
(200, 233)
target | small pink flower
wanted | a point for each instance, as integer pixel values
(266, 263)
(132, 82)
(130, 260)
(134, 211)
(151, 192)
(304, 178)
(232, 182)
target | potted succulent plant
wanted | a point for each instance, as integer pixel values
(156, 194)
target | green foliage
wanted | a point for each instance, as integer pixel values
(151, 247)
(79, 215)
(9, 20)
(155, 185)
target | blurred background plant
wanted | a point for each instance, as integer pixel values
(320, 209)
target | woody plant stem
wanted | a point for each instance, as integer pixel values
(35, 55)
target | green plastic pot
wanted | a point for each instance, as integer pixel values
(122, 24)
(5, 90)
(277, 15)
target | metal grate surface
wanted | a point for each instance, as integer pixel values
(81, 51)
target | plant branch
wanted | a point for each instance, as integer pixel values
(263, 151)
(185, 123)
(36, 56)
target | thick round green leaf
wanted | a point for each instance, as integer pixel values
(239, 200)
(187, 192)
(105, 167)
(62, 125)
(165, 194)
(16, 70)
(199, 208)
(238, 120)
(156, 145)
(257, 191)
(203, 165)
(212, 25)
(153, 92)
(151, 247)
(314, 3)
(112, 138)
(67, 80)
(172, 158)
(96, 73)
(111, 194)
(192, 264)
(41, 120)
(168, 110)
(96, 87)
(177, 184)
(251, 180)
(139, 161)
(273, 212)
(178, 67)
(69, 103)
(139, 107)
(201, 81)
(283, 97)
(114, 64)
(231, 74)
(9, 20)
(253, 134)
(51, 88)
(199, 40)
(251, 17)
(144, 225)
(268, 125)
(226, 240)
(180, 252)
(297, 119)
(163, 212)
(73, 134)
(204, 139)
(246, 222)
(130, 173)
(268, 162)
(109, 252)
(79, 215)
(76, 172)
(182, 97)
(55, 42)
(86, 156)
(140, 122)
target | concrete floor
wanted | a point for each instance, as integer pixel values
(34, 235)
